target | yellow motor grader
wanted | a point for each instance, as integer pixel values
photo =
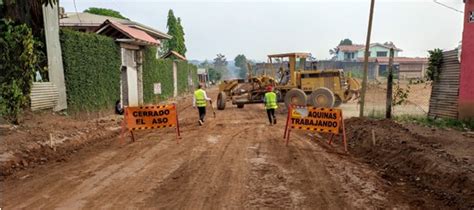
(293, 83)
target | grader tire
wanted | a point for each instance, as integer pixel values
(338, 101)
(322, 98)
(295, 97)
(221, 100)
(240, 106)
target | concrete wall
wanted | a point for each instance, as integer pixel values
(350, 68)
(466, 87)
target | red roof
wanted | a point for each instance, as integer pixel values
(350, 48)
(131, 33)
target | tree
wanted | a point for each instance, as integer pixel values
(220, 64)
(181, 47)
(176, 30)
(105, 12)
(214, 75)
(240, 61)
(335, 51)
(345, 41)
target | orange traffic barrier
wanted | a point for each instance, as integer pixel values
(321, 120)
(150, 117)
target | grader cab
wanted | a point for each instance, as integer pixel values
(294, 83)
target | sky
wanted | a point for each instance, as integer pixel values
(261, 27)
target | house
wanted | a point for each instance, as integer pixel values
(86, 22)
(356, 51)
(466, 86)
(131, 41)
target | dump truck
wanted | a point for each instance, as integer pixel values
(293, 82)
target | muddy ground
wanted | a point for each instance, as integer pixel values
(235, 160)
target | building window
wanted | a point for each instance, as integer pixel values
(382, 54)
(471, 17)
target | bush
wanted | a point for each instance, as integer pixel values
(19, 58)
(184, 70)
(434, 64)
(92, 70)
(156, 71)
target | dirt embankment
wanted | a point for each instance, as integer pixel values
(46, 137)
(433, 167)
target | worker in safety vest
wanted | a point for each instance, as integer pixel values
(200, 100)
(271, 104)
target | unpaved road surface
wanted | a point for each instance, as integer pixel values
(235, 160)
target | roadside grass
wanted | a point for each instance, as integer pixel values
(463, 125)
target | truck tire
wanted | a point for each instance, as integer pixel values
(295, 97)
(240, 106)
(221, 100)
(322, 98)
(338, 101)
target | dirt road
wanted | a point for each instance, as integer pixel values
(234, 161)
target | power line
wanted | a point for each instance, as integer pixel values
(77, 14)
(447, 6)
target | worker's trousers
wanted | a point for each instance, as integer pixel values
(202, 112)
(271, 116)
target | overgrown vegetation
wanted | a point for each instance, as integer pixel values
(92, 70)
(161, 71)
(105, 12)
(156, 71)
(439, 122)
(400, 95)
(19, 58)
(434, 64)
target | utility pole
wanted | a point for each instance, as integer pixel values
(388, 108)
(366, 60)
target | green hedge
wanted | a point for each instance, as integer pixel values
(156, 71)
(161, 71)
(92, 70)
(184, 69)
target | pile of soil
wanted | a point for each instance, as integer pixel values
(423, 169)
(47, 136)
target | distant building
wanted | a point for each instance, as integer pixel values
(355, 52)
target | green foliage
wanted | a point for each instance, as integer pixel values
(11, 101)
(19, 57)
(105, 12)
(241, 63)
(400, 95)
(92, 70)
(434, 64)
(220, 64)
(438, 122)
(183, 73)
(214, 75)
(156, 71)
(161, 71)
(176, 30)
